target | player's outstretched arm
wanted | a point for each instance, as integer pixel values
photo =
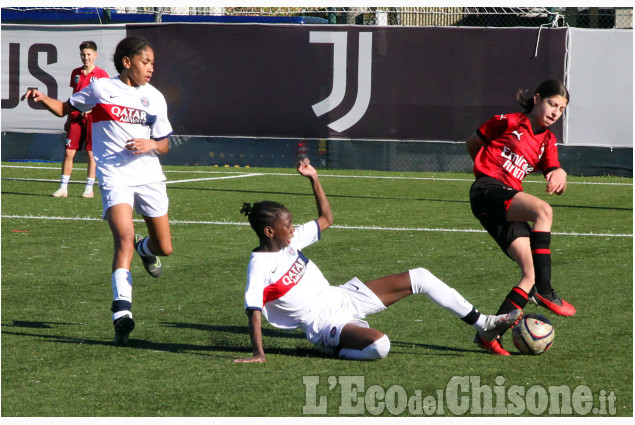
(255, 334)
(55, 106)
(325, 218)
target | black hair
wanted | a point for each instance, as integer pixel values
(262, 214)
(88, 45)
(547, 88)
(128, 47)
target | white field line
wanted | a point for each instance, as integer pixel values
(246, 174)
(213, 178)
(167, 182)
(342, 227)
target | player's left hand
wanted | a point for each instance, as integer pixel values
(556, 181)
(139, 146)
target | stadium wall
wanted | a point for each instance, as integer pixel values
(378, 97)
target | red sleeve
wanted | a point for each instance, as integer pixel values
(493, 128)
(549, 160)
(72, 78)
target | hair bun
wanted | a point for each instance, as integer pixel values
(246, 209)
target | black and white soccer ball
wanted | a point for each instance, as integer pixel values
(533, 334)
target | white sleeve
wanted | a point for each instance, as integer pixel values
(256, 281)
(161, 128)
(86, 99)
(306, 235)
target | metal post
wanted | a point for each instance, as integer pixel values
(157, 14)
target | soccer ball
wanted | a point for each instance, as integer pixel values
(533, 334)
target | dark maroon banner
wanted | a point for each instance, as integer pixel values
(379, 82)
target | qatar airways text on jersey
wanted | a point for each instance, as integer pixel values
(122, 114)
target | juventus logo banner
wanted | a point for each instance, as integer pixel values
(300, 81)
(346, 82)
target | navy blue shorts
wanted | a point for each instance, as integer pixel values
(490, 199)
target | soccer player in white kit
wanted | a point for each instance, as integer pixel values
(130, 128)
(290, 291)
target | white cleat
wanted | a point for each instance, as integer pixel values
(88, 193)
(60, 193)
(495, 325)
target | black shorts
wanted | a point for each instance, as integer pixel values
(489, 199)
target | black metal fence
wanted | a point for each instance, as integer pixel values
(581, 17)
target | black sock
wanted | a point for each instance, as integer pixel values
(541, 253)
(120, 305)
(516, 299)
(471, 317)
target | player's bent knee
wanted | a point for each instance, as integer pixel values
(374, 351)
(420, 278)
(381, 347)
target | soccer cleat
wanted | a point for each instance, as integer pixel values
(88, 193)
(62, 192)
(152, 264)
(551, 301)
(495, 325)
(494, 347)
(123, 326)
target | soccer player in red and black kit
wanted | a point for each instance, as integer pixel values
(505, 149)
(79, 125)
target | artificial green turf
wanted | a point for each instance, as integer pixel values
(57, 353)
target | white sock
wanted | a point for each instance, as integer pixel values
(89, 183)
(121, 288)
(424, 282)
(64, 181)
(143, 249)
(377, 350)
(480, 322)
(118, 314)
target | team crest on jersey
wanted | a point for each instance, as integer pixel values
(542, 151)
(290, 250)
(145, 102)
(333, 332)
(93, 79)
(77, 79)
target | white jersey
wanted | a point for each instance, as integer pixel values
(284, 285)
(120, 113)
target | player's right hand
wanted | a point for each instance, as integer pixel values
(34, 93)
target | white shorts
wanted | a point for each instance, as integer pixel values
(341, 305)
(150, 200)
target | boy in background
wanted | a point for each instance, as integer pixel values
(78, 125)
